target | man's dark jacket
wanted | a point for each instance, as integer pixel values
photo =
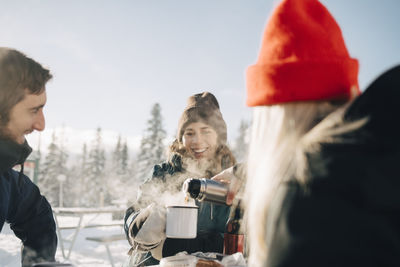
(24, 208)
(346, 212)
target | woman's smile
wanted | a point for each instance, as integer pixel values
(199, 152)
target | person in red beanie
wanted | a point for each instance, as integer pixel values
(322, 176)
(303, 73)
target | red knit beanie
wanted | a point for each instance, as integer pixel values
(303, 57)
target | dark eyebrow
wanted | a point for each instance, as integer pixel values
(202, 128)
(37, 107)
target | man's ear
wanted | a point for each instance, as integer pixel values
(354, 92)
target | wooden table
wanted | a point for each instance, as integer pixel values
(80, 213)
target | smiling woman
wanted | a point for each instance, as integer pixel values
(200, 140)
(199, 151)
(202, 135)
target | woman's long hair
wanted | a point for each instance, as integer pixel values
(275, 135)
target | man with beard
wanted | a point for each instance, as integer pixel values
(22, 98)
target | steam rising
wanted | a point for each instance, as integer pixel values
(168, 191)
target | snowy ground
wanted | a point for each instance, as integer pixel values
(85, 253)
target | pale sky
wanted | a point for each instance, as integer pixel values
(112, 60)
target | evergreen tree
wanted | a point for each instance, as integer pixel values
(82, 189)
(54, 165)
(72, 189)
(120, 158)
(48, 174)
(118, 174)
(124, 158)
(152, 147)
(67, 184)
(116, 156)
(94, 181)
(241, 143)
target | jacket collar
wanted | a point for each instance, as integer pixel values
(12, 153)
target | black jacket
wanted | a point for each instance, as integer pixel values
(347, 211)
(21, 205)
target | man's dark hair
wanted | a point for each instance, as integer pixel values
(19, 75)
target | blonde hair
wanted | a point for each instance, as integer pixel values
(275, 136)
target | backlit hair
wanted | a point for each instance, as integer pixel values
(275, 136)
(19, 75)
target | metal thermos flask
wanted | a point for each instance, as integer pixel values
(206, 190)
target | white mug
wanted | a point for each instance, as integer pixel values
(181, 221)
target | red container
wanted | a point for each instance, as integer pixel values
(233, 243)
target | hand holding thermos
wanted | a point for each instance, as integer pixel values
(220, 189)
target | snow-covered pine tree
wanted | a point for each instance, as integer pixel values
(94, 181)
(54, 165)
(116, 157)
(241, 143)
(120, 158)
(83, 186)
(68, 184)
(72, 188)
(118, 173)
(124, 159)
(48, 183)
(152, 146)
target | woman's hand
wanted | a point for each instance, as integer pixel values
(147, 230)
(229, 178)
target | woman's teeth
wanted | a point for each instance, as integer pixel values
(199, 150)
